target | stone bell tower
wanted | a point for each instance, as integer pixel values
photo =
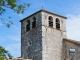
(41, 36)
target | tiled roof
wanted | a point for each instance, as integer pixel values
(72, 41)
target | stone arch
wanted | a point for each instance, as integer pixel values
(28, 25)
(57, 23)
(33, 22)
(50, 20)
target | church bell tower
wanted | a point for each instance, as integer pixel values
(41, 36)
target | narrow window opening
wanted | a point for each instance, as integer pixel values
(34, 22)
(72, 51)
(57, 23)
(28, 25)
(50, 21)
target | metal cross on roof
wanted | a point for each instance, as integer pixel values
(42, 7)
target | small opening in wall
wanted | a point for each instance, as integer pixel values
(57, 23)
(50, 21)
(34, 22)
(28, 25)
(72, 51)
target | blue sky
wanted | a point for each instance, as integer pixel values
(10, 37)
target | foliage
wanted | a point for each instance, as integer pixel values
(13, 5)
(4, 53)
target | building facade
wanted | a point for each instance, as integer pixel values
(43, 37)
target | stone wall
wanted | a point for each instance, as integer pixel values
(71, 44)
(52, 38)
(42, 42)
(31, 41)
(45, 22)
(52, 44)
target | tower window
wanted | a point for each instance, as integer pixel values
(34, 22)
(28, 25)
(50, 21)
(57, 23)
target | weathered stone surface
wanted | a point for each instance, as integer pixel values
(71, 44)
(44, 42)
(31, 42)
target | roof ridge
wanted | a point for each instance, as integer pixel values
(43, 11)
(70, 40)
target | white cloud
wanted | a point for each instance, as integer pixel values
(73, 26)
(73, 23)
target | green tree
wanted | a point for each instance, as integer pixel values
(4, 53)
(14, 5)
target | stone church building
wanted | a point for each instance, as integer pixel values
(43, 37)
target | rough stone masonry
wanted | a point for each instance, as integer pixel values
(42, 37)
